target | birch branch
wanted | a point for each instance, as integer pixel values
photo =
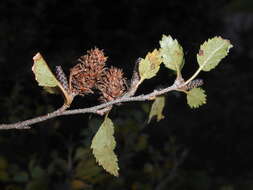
(26, 124)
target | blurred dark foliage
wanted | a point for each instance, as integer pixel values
(207, 148)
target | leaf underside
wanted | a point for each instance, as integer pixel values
(212, 52)
(103, 145)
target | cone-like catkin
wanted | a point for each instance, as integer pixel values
(112, 84)
(195, 83)
(87, 72)
(60, 75)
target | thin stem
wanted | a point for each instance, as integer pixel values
(26, 124)
(62, 111)
(102, 108)
(193, 76)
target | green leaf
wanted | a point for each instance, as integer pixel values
(172, 53)
(47, 79)
(43, 74)
(103, 145)
(149, 66)
(212, 52)
(157, 108)
(196, 97)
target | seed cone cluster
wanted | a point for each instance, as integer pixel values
(87, 72)
(112, 84)
(90, 73)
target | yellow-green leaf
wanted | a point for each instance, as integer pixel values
(43, 74)
(149, 66)
(172, 53)
(212, 52)
(47, 79)
(196, 97)
(103, 145)
(157, 108)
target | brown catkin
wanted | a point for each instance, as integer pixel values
(112, 84)
(87, 72)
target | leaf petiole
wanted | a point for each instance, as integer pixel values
(194, 75)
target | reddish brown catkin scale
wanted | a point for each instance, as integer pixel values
(60, 75)
(112, 84)
(85, 74)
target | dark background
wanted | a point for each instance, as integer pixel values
(217, 136)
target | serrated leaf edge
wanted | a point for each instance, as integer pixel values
(202, 103)
(115, 173)
(217, 49)
(178, 67)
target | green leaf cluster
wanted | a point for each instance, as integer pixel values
(171, 54)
